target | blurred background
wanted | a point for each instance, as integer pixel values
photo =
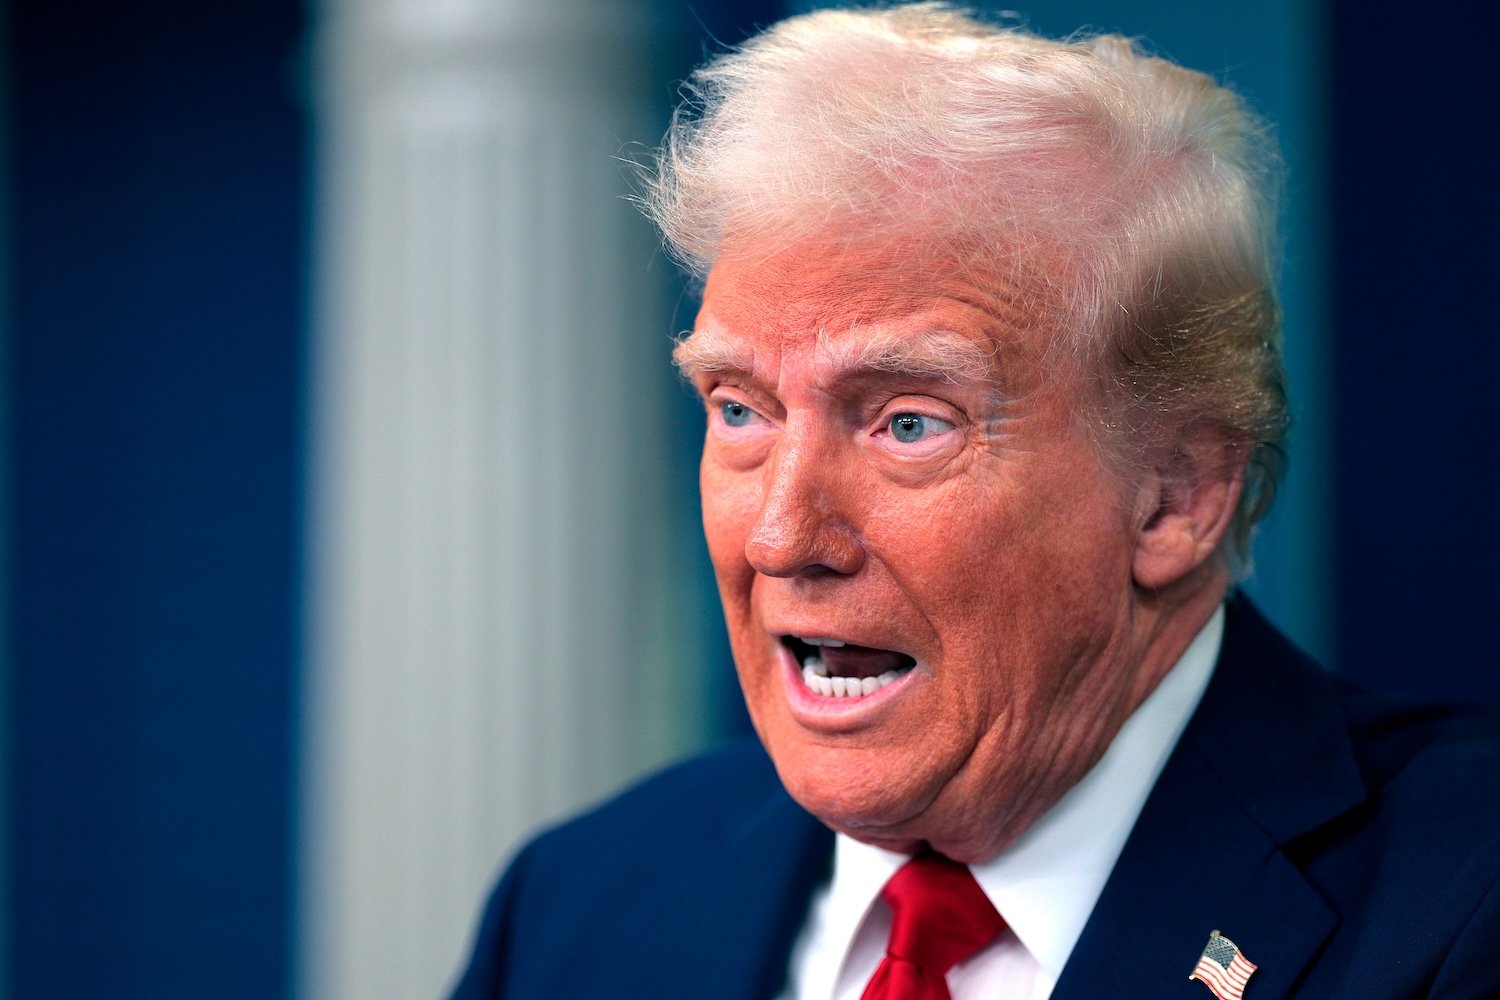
(349, 504)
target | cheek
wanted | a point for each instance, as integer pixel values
(954, 550)
(1002, 562)
(730, 503)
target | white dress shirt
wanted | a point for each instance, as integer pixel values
(1044, 885)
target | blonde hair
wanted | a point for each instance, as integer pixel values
(1133, 198)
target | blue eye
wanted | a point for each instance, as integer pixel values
(735, 414)
(908, 428)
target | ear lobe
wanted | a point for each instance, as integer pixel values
(1195, 496)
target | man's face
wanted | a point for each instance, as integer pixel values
(899, 495)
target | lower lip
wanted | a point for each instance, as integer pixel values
(830, 713)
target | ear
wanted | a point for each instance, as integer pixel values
(1187, 505)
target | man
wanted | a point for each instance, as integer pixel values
(991, 363)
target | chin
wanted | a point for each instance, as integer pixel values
(853, 791)
(896, 802)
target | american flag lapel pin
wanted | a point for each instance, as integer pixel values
(1223, 968)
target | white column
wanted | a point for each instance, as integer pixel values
(492, 595)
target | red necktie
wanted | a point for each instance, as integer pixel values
(939, 917)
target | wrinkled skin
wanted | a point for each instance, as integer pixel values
(947, 505)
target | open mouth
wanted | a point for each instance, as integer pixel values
(837, 669)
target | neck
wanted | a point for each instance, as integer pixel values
(1168, 620)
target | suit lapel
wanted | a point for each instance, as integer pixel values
(731, 910)
(773, 904)
(1265, 759)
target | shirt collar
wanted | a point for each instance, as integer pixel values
(1047, 882)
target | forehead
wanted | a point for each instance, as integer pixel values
(865, 304)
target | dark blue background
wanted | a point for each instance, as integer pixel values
(156, 337)
(156, 344)
(1417, 347)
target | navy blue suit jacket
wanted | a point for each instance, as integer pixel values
(1348, 843)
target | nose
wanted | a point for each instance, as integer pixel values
(802, 527)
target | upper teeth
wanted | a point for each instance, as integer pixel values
(817, 641)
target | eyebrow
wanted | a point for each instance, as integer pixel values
(934, 355)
